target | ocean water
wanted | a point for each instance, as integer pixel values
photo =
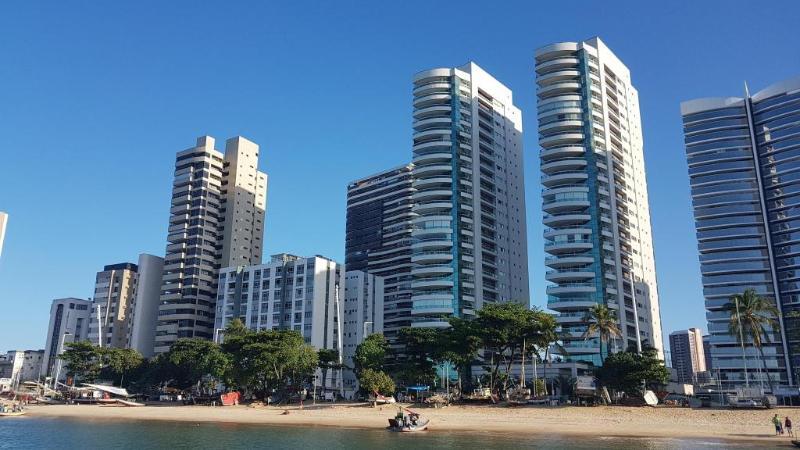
(47, 433)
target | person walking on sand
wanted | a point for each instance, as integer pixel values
(787, 425)
(777, 422)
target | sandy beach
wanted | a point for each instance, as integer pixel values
(577, 421)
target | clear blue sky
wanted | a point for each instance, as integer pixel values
(96, 98)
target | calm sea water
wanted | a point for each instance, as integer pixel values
(45, 433)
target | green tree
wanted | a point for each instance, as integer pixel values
(271, 360)
(602, 323)
(82, 361)
(460, 345)
(120, 361)
(625, 371)
(416, 355)
(507, 329)
(189, 360)
(756, 317)
(370, 354)
(328, 360)
(376, 382)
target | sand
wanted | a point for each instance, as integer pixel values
(574, 421)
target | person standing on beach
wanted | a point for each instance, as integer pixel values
(787, 425)
(778, 427)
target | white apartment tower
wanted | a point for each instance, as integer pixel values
(596, 212)
(69, 322)
(469, 243)
(216, 220)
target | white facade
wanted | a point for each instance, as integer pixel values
(362, 315)
(288, 293)
(114, 292)
(469, 242)
(597, 218)
(21, 365)
(69, 322)
(3, 225)
(313, 296)
(216, 220)
(144, 311)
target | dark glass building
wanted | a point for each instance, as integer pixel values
(744, 168)
(378, 239)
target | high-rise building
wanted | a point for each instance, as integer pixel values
(114, 292)
(707, 352)
(362, 315)
(3, 224)
(378, 239)
(743, 170)
(144, 310)
(688, 358)
(469, 242)
(216, 220)
(69, 322)
(596, 211)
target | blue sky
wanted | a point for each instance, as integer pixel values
(96, 98)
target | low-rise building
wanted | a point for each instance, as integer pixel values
(308, 295)
(69, 322)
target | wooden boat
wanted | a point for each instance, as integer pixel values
(398, 426)
(12, 414)
(795, 443)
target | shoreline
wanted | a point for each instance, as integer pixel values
(605, 421)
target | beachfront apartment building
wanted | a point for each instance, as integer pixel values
(468, 238)
(378, 239)
(69, 322)
(314, 296)
(597, 231)
(743, 155)
(3, 225)
(114, 292)
(688, 357)
(216, 220)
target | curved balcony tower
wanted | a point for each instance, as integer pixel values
(468, 228)
(594, 196)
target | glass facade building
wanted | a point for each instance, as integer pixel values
(744, 169)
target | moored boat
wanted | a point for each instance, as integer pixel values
(12, 414)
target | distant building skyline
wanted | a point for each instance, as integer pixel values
(688, 356)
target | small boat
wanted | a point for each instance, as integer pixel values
(414, 423)
(12, 414)
(795, 443)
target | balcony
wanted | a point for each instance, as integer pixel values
(433, 111)
(432, 269)
(553, 89)
(569, 259)
(578, 245)
(570, 177)
(562, 139)
(431, 100)
(564, 220)
(568, 274)
(564, 164)
(433, 157)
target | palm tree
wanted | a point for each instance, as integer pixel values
(750, 315)
(602, 322)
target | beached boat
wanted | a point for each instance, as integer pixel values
(12, 414)
(422, 425)
(408, 424)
